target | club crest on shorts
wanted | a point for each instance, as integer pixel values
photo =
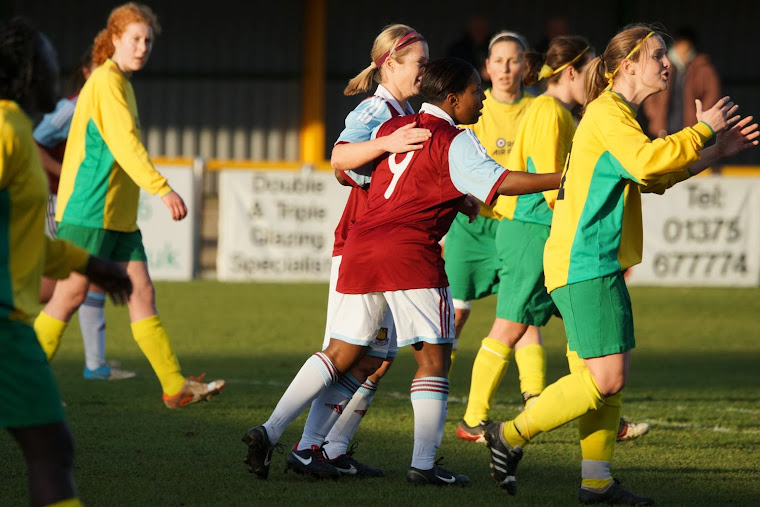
(382, 336)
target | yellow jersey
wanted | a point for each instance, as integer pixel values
(496, 130)
(105, 163)
(26, 253)
(541, 146)
(596, 228)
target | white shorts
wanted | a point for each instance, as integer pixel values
(51, 226)
(380, 347)
(421, 315)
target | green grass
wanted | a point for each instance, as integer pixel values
(694, 379)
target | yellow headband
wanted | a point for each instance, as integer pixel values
(547, 71)
(610, 75)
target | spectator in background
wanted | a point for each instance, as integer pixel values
(692, 77)
(472, 46)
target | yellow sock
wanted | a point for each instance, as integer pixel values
(563, 401)
(531, 364)
(487, 372)
(152, 339)
(69, 502)
(49, 332)
(598, 430)
(574, 363)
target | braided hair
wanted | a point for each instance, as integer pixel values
(17, 55)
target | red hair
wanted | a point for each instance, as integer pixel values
(118, 20)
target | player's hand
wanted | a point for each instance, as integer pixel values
(718, 115)
(111, 277)
(176, 205)
(470, 207)
(738, 138)
(406, 138)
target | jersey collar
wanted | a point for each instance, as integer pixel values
(383, 92)
(436, 111)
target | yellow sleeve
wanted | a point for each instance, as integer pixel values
(62, 257)
(120, 133)
(643, 158)
(547, 150)
(8, 146)
(659, 184)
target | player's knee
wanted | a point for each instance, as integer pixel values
(145, 293)
(610, 385)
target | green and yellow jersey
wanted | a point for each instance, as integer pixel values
(596, 229)
(541, 146)
(26, 253)
(105, 163)
(496, 130)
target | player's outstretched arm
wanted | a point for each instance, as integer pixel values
(741, 136)
(519, 183)
(176, 205)
(111, 277)
(717, 117)
(347, 156)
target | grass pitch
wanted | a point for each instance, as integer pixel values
(694, 379)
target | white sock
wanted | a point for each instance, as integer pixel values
(326, 409)
(344, 428)
(429, 396)
(317, 374)
(92, 322)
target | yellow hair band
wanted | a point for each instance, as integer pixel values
(547, 71)
(610, 75)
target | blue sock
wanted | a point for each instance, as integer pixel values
(92, 321)
(429, 401)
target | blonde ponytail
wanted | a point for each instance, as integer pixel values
(595, 80)
(392, 42)
(362, 82)
(627, 44)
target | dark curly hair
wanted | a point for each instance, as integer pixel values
(18, 39)
(444, 76)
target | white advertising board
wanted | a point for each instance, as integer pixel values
(702, 232)
(169, 245)
(277, 225)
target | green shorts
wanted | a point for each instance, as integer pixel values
(597, 314)
(522, 293)
(472, 265)
(113, 245)
(28, 393)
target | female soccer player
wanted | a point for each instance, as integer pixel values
(392, 259)
(541, 146)
(104, 166)
(472, 263)
(30, 406)
(398, 55)
(595, 235)
(50, 135)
